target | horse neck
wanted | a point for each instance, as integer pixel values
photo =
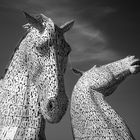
(89, 111)
(17, 72)
(110, 116)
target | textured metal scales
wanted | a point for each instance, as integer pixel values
(91, 116)
(32, 89)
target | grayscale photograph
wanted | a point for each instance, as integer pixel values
(69, 70)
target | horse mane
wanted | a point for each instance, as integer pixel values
(16, 48)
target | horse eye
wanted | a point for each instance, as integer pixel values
(68, 52)
(42, 49)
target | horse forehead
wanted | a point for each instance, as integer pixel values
(49, 29)
(38, 37)
(49, 24)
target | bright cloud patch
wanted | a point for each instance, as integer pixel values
(88, 44)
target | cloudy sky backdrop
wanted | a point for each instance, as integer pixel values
(104, 31)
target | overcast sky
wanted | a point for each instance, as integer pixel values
(104, 31)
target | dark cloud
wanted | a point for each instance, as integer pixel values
(88, 42)
(95, 24)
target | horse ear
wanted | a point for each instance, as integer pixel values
(34, 22)
(67, 26)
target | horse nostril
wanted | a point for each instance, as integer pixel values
(51, 105)
(136, 62)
